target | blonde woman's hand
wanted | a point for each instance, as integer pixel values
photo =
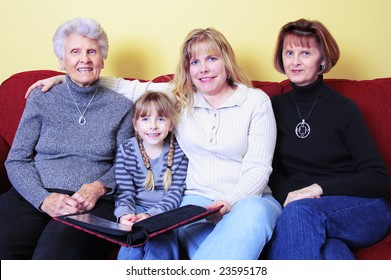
(312, 191)
(46, 84)
(217, 216)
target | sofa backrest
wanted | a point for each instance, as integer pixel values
(12, 99)
(372, 96)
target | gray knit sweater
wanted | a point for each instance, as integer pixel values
(51, 150)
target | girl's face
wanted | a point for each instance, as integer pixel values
(301, 61)
(207, 72)
(82, 60)
(152, 128)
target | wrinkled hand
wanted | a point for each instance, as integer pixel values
(88, 195)
(312, 191)
(46, 84)
(217, 216)
(59, 204)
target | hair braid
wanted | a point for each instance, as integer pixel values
(167, 178)
(149, 183)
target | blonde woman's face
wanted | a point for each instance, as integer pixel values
(82, 60)
(301, 63)
(207, 71)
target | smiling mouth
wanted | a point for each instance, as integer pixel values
(206, 79)
(296, 71)
(84, 69)
(152, 134)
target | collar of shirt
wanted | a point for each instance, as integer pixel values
(236, 99)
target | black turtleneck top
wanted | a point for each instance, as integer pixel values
(338, 154)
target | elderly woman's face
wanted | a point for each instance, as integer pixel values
(82, 60)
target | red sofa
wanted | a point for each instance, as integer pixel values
(372, 96)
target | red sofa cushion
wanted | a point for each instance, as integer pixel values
(372, 96)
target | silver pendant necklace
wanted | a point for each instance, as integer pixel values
(82, 119)
(303, 129)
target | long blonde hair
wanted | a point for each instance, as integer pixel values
(166, 107)
(211, 39)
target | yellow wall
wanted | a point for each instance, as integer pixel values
(145, 35)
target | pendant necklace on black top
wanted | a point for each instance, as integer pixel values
(82, 119)
(303, 129)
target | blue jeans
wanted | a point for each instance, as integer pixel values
(161, 247)
(241, 234)
(327, 227)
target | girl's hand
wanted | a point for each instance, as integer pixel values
(217, 216)
(128, 219)
(46, 84)
(142, 216)
(312, 191)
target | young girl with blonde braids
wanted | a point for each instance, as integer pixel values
(150, 172)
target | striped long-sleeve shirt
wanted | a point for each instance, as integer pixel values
(131, 172)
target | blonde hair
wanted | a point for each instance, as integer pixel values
(213, 40)
(166, 107)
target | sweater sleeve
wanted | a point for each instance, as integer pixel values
(279, 182)
(257, 161)
(126, 193)
(173, 196)
(131, 89)
(370, 177)
(124, 133)
(20, 162)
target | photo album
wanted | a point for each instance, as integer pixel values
(141, 231)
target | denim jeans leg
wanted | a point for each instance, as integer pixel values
(307, 227)
(241, 234)
(162, 247)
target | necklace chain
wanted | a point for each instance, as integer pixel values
(303, 129)
(82, 119)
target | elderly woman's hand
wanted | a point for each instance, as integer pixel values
(59, 204)
(88, 195)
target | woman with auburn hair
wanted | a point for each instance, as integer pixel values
(327, 171)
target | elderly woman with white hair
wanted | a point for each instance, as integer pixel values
(62, 158)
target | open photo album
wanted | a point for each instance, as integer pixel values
(141, 231)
